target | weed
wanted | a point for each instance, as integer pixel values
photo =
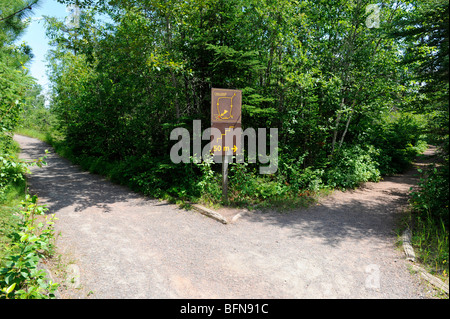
(20, 276)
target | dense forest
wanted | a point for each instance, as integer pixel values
(342, 87)
(356, 89)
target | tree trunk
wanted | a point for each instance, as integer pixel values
(346, 128)
(336, 127)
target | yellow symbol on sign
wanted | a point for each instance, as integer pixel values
(221, 116)
(218, 148)
(222, 135)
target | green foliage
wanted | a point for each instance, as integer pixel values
(10, 172)
(430, 204)
(247, 187)
(13, 57)
(20, 275)
(313, 69)
(13, 83)
(351, 166)
(13, 86)
(163, 179)
(399, 137)
(427, 34)
(298, 177)
(352, 103)
(35, 115)
(433, 194)
(168, 55)
(209, 183)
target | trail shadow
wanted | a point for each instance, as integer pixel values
(370, 212)
(354, 219)
(366, 213)
(61, 184)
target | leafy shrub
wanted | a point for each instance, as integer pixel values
(299, 178)
(11, 168)
(209, 183)
(432, 197)
(245, 185)
(351, 166)
(242, 183)
(10, 171)
(20, 276)
(266, 189)
(158, 177)
(399, 137)
(430, 204)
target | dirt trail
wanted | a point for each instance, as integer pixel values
(122, 245)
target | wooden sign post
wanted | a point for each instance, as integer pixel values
(226, 106)
(225, 178)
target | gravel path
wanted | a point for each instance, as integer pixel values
(122, 245)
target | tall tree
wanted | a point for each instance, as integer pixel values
(424, 30)
(13, 80)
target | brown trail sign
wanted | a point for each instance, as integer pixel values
(226, 107)
(229, 142)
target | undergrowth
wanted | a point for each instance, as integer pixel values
(430, 219)
(25, 241)
(31, 241)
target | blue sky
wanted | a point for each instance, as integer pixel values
(35, 37)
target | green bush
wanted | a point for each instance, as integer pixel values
(266, 189)
(432, 197)
(242, 181)
(209, 183)
(430, 218)
(351, 166)
(399, 137)
(247, 186)
(299, 178)
(20, 276)
(10, 172)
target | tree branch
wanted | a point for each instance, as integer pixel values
(28, 6)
